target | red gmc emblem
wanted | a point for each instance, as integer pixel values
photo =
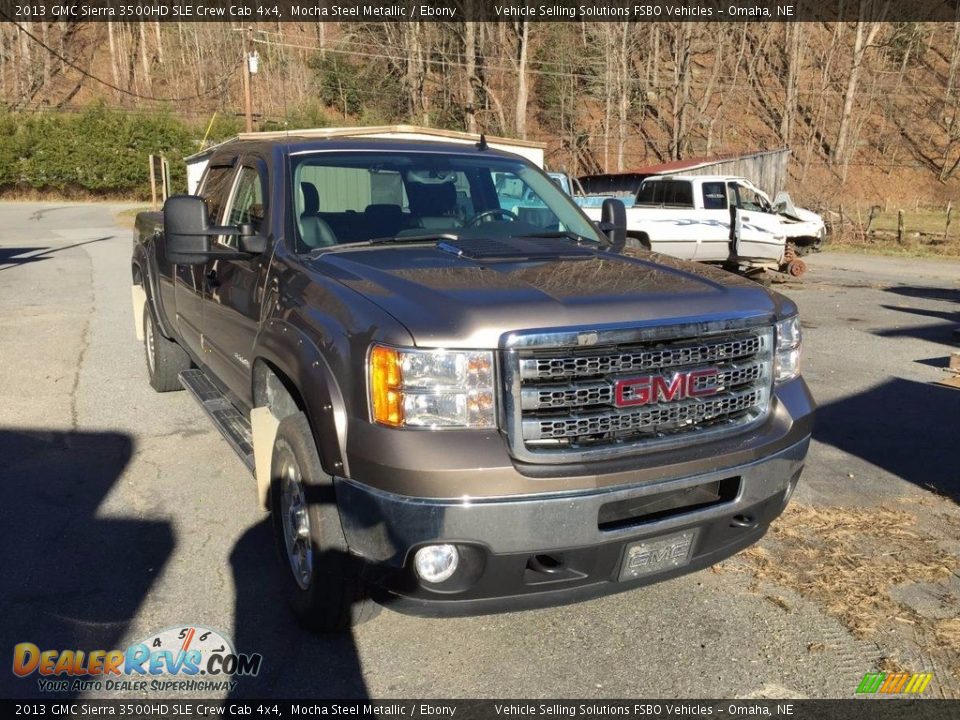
(651, 389)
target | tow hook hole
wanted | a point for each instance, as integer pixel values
(545, 563)
(743, 521)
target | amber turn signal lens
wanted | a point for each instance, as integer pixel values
(385, 386)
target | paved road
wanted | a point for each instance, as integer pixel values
(126, 513)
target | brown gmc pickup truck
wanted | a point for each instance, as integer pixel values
(450, 406)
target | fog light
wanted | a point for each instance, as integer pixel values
(436, 563)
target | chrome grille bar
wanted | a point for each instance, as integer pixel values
(656, 418)
(587, 365)
(600, 392)
(562, 402)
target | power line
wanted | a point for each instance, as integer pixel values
(386, 51)
(110, 85)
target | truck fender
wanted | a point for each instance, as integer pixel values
(290, 375)
(139, 297)
(264, 426)
(145, 272)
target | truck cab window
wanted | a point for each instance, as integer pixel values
(714, 196)
(348, 197)
(216, 185)
(246, 204)
(679, 192)
(518, 198)
(749, 199)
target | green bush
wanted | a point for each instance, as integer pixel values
(100, 151)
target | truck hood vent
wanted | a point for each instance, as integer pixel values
(515, 249)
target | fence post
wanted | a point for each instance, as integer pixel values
(946, 229)
(900, 227)
(165, 177)
(153, 185)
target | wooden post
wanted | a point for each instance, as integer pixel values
(153, 186)
(900, 227)
(163, 177)
(946, 229)
(247, 93)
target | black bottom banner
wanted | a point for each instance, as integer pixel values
(875, 709)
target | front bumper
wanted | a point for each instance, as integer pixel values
(503, 541)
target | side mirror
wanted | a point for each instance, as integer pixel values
(613, 222)
(187, 232)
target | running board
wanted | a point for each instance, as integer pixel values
(234, 427)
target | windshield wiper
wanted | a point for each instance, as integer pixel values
(569, 234)
(417, 237)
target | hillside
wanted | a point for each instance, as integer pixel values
(871, 111)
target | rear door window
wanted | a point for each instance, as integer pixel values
(666, 192)
(679, 192)
(216, 185)
(246, 205)
(714, 196)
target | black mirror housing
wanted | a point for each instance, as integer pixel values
(188, 236)
(613, 219)
(186, 227)
(250, 242)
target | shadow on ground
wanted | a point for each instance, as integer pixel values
(74, 579)
(949, 312)
(71, 578)
(909, 429)
(296, 662)
(11, 257)
(18, 255)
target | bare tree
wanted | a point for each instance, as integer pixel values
(522, 31)
(864, 35)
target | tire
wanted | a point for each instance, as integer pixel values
(165, 359)
(322, 580)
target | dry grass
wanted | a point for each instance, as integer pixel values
(884, 244)
(948, 632)
(126, 218)
(925, 222)
(923, 234)
(847, 559)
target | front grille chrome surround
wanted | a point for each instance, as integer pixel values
(559, 399)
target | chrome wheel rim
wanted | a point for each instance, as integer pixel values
(151, 342)
(296, 524)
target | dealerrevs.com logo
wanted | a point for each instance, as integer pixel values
(186, 658)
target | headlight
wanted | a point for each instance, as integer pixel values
(431, 388)
(787, 364)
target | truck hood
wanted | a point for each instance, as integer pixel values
(783, 204)
(446, 300)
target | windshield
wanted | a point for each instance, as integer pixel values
(350, 197)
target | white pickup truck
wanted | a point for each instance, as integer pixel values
(689, 217)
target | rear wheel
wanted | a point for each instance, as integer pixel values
(165, 359)
(322, 579)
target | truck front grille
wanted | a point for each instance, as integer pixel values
(565, 404)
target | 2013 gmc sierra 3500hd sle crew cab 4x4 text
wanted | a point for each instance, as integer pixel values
(451, 407)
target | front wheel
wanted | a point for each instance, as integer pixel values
(322, 579)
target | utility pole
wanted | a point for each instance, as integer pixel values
(247, 94)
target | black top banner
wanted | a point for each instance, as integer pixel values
(890, 709)
(479, 10)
